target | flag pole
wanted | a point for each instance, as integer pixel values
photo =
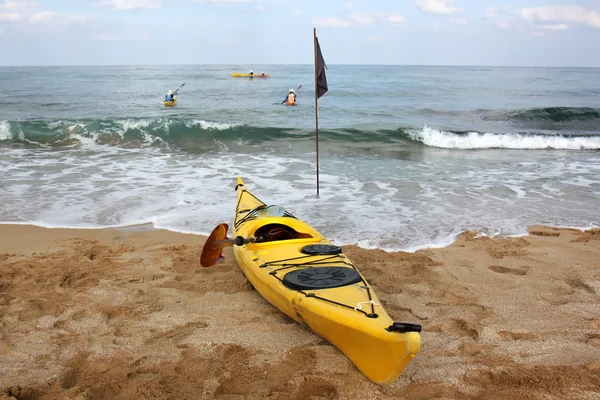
(316, 106)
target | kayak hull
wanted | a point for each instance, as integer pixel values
(348, 314)
(235, 74)
(170, 103)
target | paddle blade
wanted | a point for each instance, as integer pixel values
(212, 252)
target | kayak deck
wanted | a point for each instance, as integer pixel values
(309, 279)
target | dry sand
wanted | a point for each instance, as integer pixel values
(126, 314)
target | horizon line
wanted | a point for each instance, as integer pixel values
(296, 64)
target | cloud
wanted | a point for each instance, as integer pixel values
(497, 16)
(556, 27)
(359, 19)
(17, 6)
(15, 11)
(26, 19)
(350, 6)
(10, 17)
(394, 18)
(236, 1)
(44, 16)
(297, 13)
(132, 4)
(556, 17)
(442, 7)
(331, 22)
(121, 36)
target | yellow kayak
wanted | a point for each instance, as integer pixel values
(171, 103)
(251, 76)
(304, 275)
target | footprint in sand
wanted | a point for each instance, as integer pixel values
(179, 333)
(505, 270)
(465, 328)
(517, 335)
(577, 283)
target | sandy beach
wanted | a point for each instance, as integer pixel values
(131, 314)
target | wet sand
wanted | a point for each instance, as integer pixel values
(131, 314)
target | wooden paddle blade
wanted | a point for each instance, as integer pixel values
(212, 252)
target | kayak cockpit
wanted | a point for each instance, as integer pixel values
(272, 223)
(276, 232)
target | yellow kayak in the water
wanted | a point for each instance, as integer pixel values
(251, 76)
(299, 271)
(171, 103)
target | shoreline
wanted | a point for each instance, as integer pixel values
(112, 313)
(452, 239)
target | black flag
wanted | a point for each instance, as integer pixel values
(320, 71)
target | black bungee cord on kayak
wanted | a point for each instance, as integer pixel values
(399, 327)
(253, 213)
(335, 276)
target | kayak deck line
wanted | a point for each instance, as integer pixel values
(322, 262)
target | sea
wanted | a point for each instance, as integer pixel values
(409, 157)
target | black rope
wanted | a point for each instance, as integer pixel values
(252, 213)
(250, 216)
(320, 262)
(276, 262)
(312, 295)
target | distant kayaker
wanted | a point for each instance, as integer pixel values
(169, 96)
(251, 72)
(290, 99)
(263, 74)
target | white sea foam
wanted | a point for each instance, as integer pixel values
(5, 133)
(219, 126)
(475, 140)
(369, 201)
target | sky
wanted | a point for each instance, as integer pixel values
(251, 32)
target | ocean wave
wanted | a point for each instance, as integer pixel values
(199, 135)
(106, 131)
(477, 140)
(545, 114)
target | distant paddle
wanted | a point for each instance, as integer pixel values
(299, 87)
(175, 92)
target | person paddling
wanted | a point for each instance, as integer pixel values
(290, 99)
(170, 96)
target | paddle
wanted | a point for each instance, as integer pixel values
(175, 92)
(286, 98)
(212, 251)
